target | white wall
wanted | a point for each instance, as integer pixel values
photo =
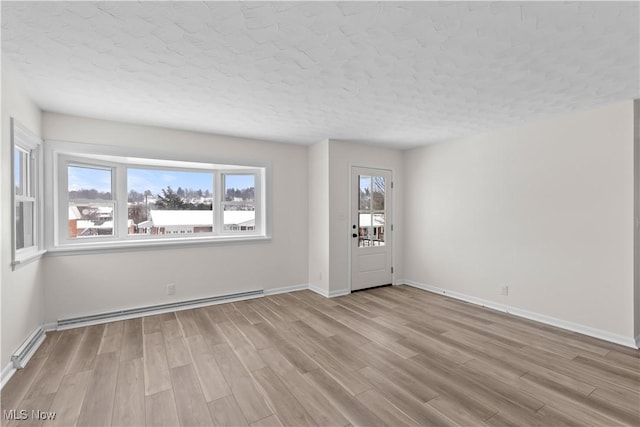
(318, 164)
(83, 284)
(22, 295)
(342, 155)
(545, 208)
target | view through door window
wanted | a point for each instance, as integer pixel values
(371, 211)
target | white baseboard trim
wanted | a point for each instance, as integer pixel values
(50, 326)
(286, 289)
(638, 341)
(339, 293)
(318, 290)
(329, 294)
(7, 373)
(548, 320)
(23, 354)
(10, 369)
(137, 312)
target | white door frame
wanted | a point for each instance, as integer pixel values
(349, 230)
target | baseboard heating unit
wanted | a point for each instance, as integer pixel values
(73, 322)
(26, 350)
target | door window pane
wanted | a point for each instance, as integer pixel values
(364, 230)
(371, 206)
(371, 230)
(365, 192)
(378, 229)
(378, 192)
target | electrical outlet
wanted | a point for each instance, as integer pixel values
(171, 289)
(505, 290)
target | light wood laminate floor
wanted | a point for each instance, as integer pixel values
(389, 356)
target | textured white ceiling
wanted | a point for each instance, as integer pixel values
(394, 73)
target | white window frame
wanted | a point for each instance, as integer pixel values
(221, 179)
(25, 141)
(196, 168)
(65, 202)
(61, 154)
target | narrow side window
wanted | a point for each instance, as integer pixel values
(91, 205)
(26, 173)
(239, 202)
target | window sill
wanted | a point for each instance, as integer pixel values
(134, 245)
(26, 259)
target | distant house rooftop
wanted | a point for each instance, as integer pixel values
(74, 213)
(241, 218)
(168, 218)
(196, 218)
(106, 225)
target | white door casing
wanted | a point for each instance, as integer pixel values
(371, 227)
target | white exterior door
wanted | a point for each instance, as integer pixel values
(370, 228)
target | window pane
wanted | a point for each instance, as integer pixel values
(378, 229)
(370, 230)
(378, 193)
(239, 188)
(90, 220)
(17, 167)
(239, 217)
(364, 230)
(24, 224)
(164, 201)
(365, 192)
(89, 183)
